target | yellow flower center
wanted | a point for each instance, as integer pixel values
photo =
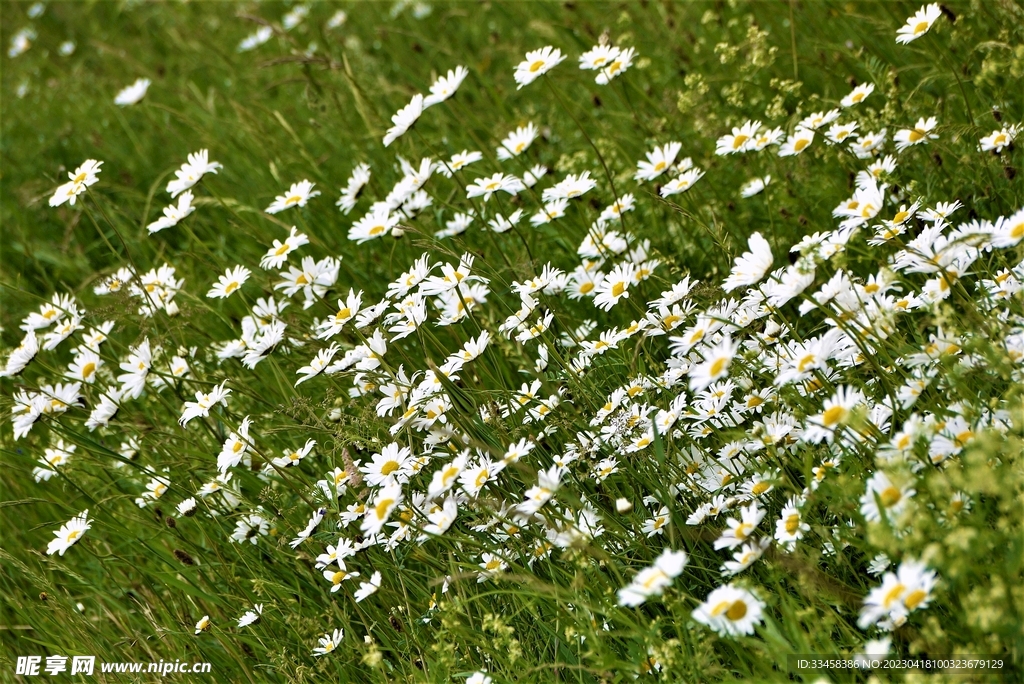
(738, 141)
(719, 366)
(914, 599)
(536, 66)
(900, 217)
(962, 438)
(833, 416)
(734, 610)
(921, 27)
(618, 289)
(88, 369)
(792, 523)
(282, 250)
(383, 507)
(893, 595)
(586, 287)
(915, 135)
(890, 496)
(800, 144)
(389, 467)
(760, 488)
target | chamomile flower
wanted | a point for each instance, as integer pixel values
(740, 140)
(203, 403)
(614, 286)
(69, 534)
(366, 589)
(751, 266)
(818, 119)
(348, 309)
(517, 142)
(328, 642)
(1008, 231)
(681, 183)
(796, 143)
(80, 179)
(858, 95)
(491, 565)
(173, 214)
(377, 223)
(741, 528)
(883, 498)
(339, 575)
(297, 196)
(653, 581)
(730, 611)
(203, 625)
(133, 93)
(570, 187)
(918, 24)
(598, 57)
(835, 414)
(659, 160)
(192, 171)
(250, 617)
(459, 161)
(53, 459)
(232, 280)
(919, 134)
(85, 364)
(445, 86)
(746, 556)
(790, 527)
(536, 64)
(716, 364)
(485, 187)
(901, 593)
(256, 38)
(999, 140)
(356, 182)
(403, 119)
(755, 186)
(292, 457)
(618, 66)
(249, 528)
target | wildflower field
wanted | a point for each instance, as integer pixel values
(512, 341)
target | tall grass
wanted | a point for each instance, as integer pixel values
(316, 100)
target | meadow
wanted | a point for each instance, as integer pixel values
(500, 342)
